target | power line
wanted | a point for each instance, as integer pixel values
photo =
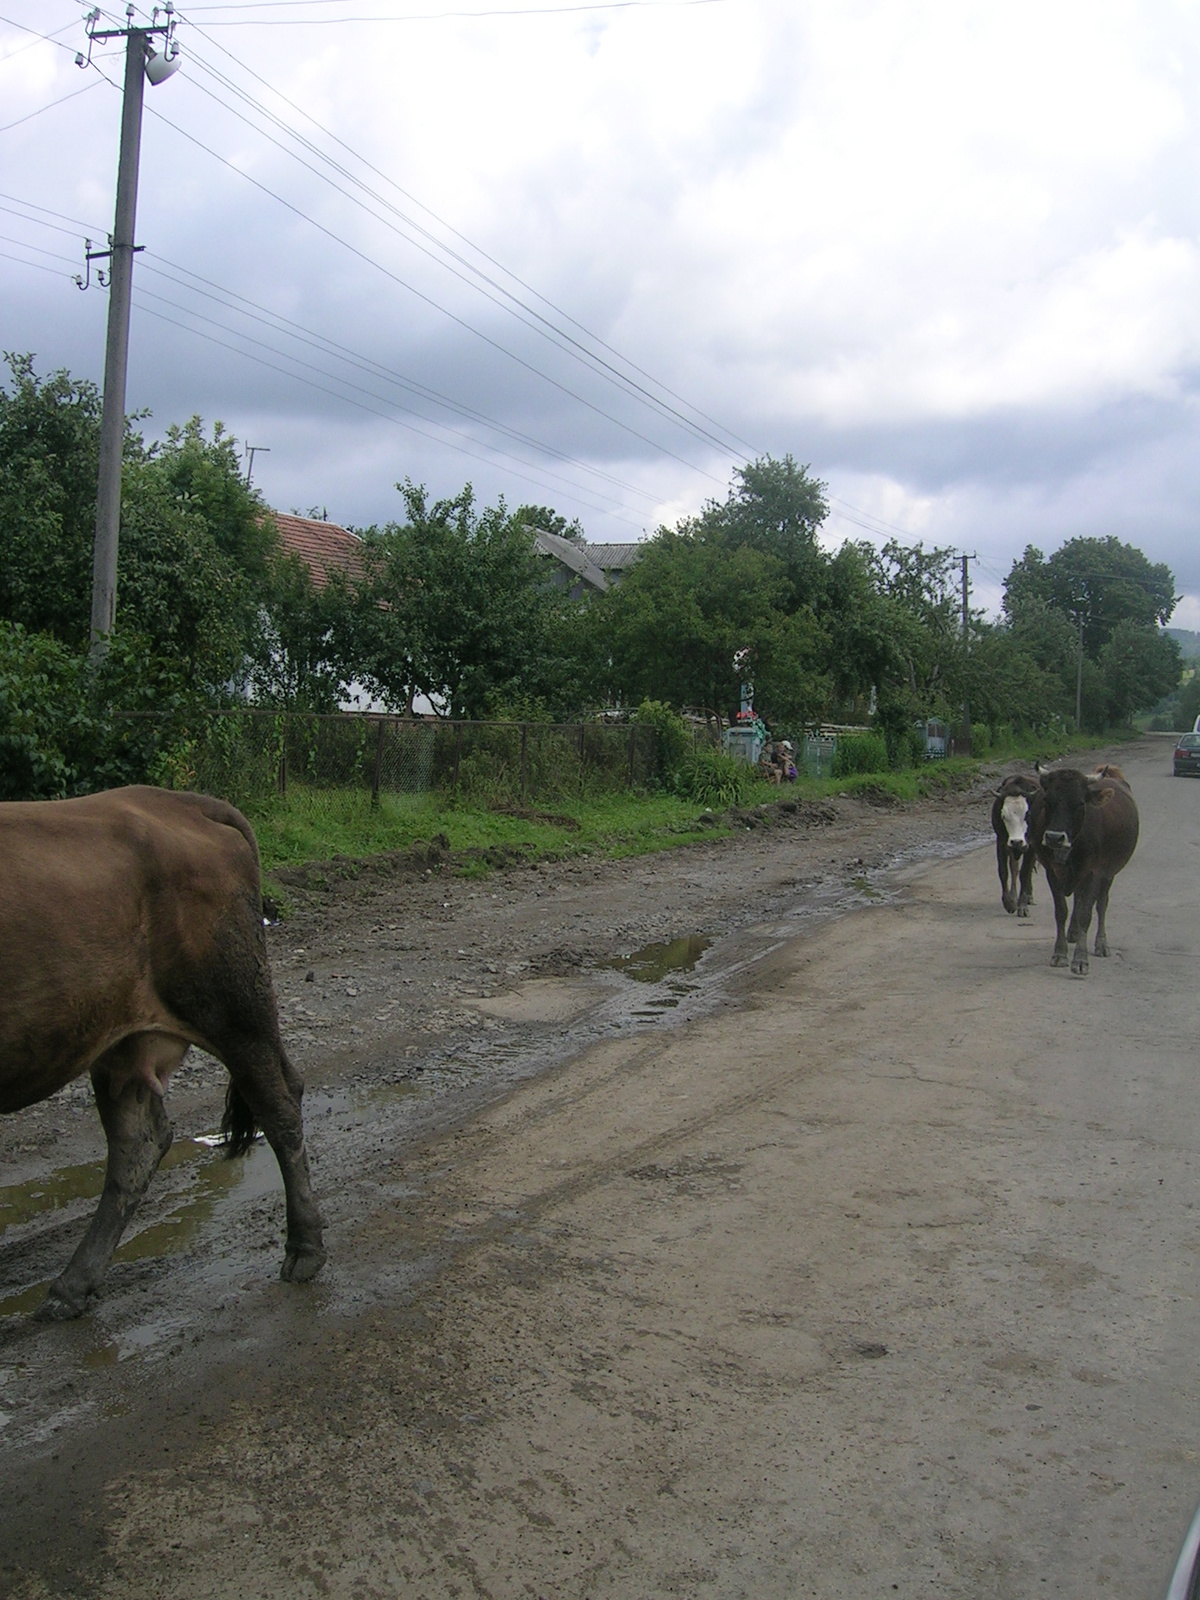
(462, 237)
(62, 100)
(581, 494)
(439, 16)
(292, 329)
(45, 38)
(5, 255)
(337, 378)
(360, 405)
(470, 274)
(395, 278)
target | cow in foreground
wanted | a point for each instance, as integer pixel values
(130, 928)
(1011, 817)
(1085, 830)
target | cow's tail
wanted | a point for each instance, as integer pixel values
(238, 1127)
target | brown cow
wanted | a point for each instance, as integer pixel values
(130, 928)
(1014, 855)
(1085, 829)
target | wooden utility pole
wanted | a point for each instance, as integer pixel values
(139, 56)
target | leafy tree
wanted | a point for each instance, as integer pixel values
(775, 508)
(305, 655)
(196, 553)
(1101, 581)
(675, 623)
(1138, 666)
(456, 607)
(550, 521)
(49, 450)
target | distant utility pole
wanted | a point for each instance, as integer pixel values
(1079, 677)
(142, 61)
(964, 742)
(253, 450)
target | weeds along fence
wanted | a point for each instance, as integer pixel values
(257, 758)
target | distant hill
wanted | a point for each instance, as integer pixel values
(1187, 641)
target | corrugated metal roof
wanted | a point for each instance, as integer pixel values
(572, 557)
(324, 547)
(614, 557)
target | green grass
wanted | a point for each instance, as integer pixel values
(317, 825)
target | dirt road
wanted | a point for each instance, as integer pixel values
(866, 1266)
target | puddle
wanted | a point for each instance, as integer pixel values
(191, 1206)
(653, 962)
(21, 1202)
(864, 886)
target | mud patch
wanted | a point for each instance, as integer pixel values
(539, 1000)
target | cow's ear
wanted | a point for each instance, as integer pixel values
(1095, 790)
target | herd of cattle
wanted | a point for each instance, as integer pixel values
(131, 928)
(1082, 828)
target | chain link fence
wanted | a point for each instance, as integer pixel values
(254, 758)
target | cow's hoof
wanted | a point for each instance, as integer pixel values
(1022, 909)
(1079, 966)
(1101, 948)
(1007, 901)
(302, 1264)
(1059, 958)
(58, 1307)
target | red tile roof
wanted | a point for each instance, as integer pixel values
(322, 546)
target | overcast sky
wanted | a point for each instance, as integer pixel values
(594, 256)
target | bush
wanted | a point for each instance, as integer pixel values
(65, 724)
(672, 741)
(711, 778)
(860, 752)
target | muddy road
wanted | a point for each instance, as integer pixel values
(836, 1245)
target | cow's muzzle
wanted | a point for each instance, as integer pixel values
(1059, 844)
(1016, 847)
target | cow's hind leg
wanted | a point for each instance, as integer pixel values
(1101, 946)
(232, 1005)
(265, 1091)
(139, 1135)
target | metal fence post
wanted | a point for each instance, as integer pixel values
(458, 727)
(632, 749)
(377, 775)
(582, 754)
(282, 774)
(524, 742)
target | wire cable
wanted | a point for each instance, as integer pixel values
(442, 16)
(379, 267)
(348, 383)
(442, 223)
(62, 100)
(544, 328)
(307, 336)
(231, 299)
(360, 405)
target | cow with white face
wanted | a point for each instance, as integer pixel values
(1011, 815)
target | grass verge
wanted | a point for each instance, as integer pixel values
(321, 824)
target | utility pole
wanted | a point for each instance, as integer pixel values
(141, 61)
(1079, 677)
(963, 747)
(253, 450)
